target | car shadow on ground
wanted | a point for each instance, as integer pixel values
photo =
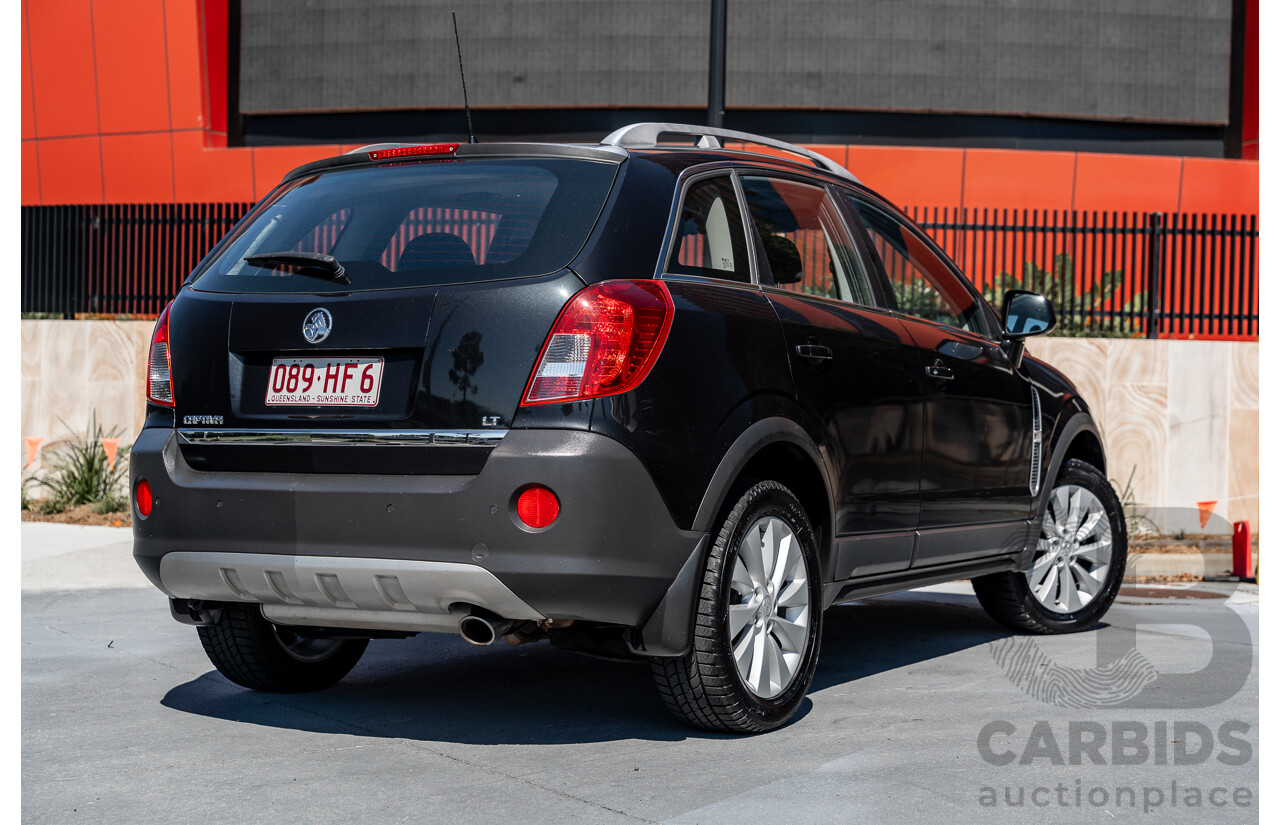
(878, 635)
(437, 688)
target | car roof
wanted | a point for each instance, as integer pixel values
(702, 145)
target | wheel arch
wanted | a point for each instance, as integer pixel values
(773, 448)
(1078, 438)
(776, 449)
(1085, 445)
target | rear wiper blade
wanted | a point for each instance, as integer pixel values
(307, 263)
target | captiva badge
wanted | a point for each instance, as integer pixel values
(316, 328)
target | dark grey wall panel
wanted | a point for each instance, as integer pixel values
(1150, 59)
(1162, 60)
(299, 55)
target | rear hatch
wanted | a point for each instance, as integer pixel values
(416, 334)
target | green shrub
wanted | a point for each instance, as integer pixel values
(1135, 515)
(1062, 286)
(112, 503)
(79, 473)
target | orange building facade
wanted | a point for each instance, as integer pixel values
(126, 103)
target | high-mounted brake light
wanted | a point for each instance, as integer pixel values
(160, 363)
(605, 341)
(410, 151)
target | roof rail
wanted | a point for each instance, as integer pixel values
(373, 147)
(646, 134)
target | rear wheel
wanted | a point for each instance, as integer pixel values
(252, 652)
(1079, 561)
(759, 620)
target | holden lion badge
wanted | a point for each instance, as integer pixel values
(316, 328)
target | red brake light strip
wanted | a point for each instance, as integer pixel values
(409, 151)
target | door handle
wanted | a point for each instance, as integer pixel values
(939, 372)
(814, 352)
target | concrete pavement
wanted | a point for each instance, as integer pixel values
(918, 703)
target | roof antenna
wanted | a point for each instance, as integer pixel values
(471, 134)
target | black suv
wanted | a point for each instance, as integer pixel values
(665, 401)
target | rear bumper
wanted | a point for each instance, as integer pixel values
(401, 551)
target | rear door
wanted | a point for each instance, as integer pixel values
(456, 270)
(855, 370)
(975, 475)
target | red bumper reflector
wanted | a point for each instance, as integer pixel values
(142, 497)
(537, 507)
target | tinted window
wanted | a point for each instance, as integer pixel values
(418, 224)
(709, 239)
(922, 283)
(807, 247)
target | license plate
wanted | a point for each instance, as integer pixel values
(330, 382)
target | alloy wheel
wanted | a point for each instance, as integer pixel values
(769, 608)
(1074, 552)
(306, 648)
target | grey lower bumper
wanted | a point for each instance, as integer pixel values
(609, 557)
(382, 594)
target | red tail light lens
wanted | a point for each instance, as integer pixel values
(142, 497)
(160, 363)
(605, 341)
(537, 507)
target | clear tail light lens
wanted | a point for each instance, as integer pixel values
(160, 363)
(605, 341)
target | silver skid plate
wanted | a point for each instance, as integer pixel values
(390, 594)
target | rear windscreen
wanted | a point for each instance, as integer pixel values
(417, 224)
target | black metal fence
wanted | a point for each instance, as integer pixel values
(115, 259)
(1131, 274)
(1108, 273)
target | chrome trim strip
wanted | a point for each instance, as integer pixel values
(1037, 442)
(396, 438)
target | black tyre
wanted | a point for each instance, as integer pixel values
(252, 652)
(759, 620)
(1079, 561)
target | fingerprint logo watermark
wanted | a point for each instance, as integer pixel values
(1126, 678)
(1116, 683)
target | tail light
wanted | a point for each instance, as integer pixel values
(160, 363)
(605, 341)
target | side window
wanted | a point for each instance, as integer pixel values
(807, 247)
(923, 285)
(709, 239)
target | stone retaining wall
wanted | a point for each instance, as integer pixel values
(1181, 415)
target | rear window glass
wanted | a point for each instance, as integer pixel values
(418, 224)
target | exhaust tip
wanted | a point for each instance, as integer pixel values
(480, 631)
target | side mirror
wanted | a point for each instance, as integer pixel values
(1026, 314)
